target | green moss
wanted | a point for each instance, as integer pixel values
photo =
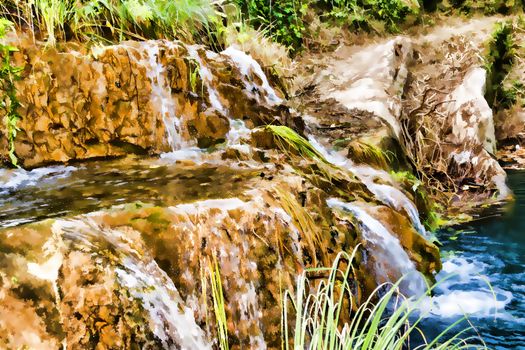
(157, 218)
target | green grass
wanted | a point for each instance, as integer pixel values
(289, 139)
(218, 304)
(114, 20)
(316, 308)
(316, 314)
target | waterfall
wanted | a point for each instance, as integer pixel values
(161, 96)
(207, 79)
(387, 194)
(387, 250)
(171, 321)
(247, 65)
(238, 129)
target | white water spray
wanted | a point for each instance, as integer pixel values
(161, 96)
(247, 65)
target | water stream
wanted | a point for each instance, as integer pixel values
(490, 251)
(484, 263)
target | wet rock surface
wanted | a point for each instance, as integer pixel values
(126, 98)
(137, 275)
(126, 258)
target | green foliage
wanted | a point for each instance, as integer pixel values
(392, 12)
(318, 306)
(281, 19)
(8, 101)
(361, 12)
(498, 62)
(114, 19)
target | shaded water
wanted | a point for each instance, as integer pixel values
(489, 250)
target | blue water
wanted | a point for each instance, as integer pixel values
(487, 261)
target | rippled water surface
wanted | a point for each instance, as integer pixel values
(489, 250)
(56, 191)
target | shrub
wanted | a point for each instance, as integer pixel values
(282, 19)
(361, 12)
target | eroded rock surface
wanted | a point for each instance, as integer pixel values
(127, 98)
(420, 98)
(139, 276)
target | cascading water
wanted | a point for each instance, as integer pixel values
(387, 194)
(207, 79)
(247, 66)
(161, 96)
(238, 129)
(387, 250)
(170, 321)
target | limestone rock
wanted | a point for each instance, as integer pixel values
(142, 97)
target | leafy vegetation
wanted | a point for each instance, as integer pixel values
(282, 19)
(8, 101)
(499, 60)
(285, 21)
(113, 19)
(362, 12)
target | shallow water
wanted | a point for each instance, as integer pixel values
(58, 191)
(488, 250)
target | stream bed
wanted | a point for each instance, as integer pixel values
(488, 251)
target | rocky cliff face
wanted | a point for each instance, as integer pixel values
(127, 98)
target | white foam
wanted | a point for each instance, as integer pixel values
(194, 154)
(475, 304)
(224, 204)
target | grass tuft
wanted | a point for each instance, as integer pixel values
(318, 307)
(218, 303)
